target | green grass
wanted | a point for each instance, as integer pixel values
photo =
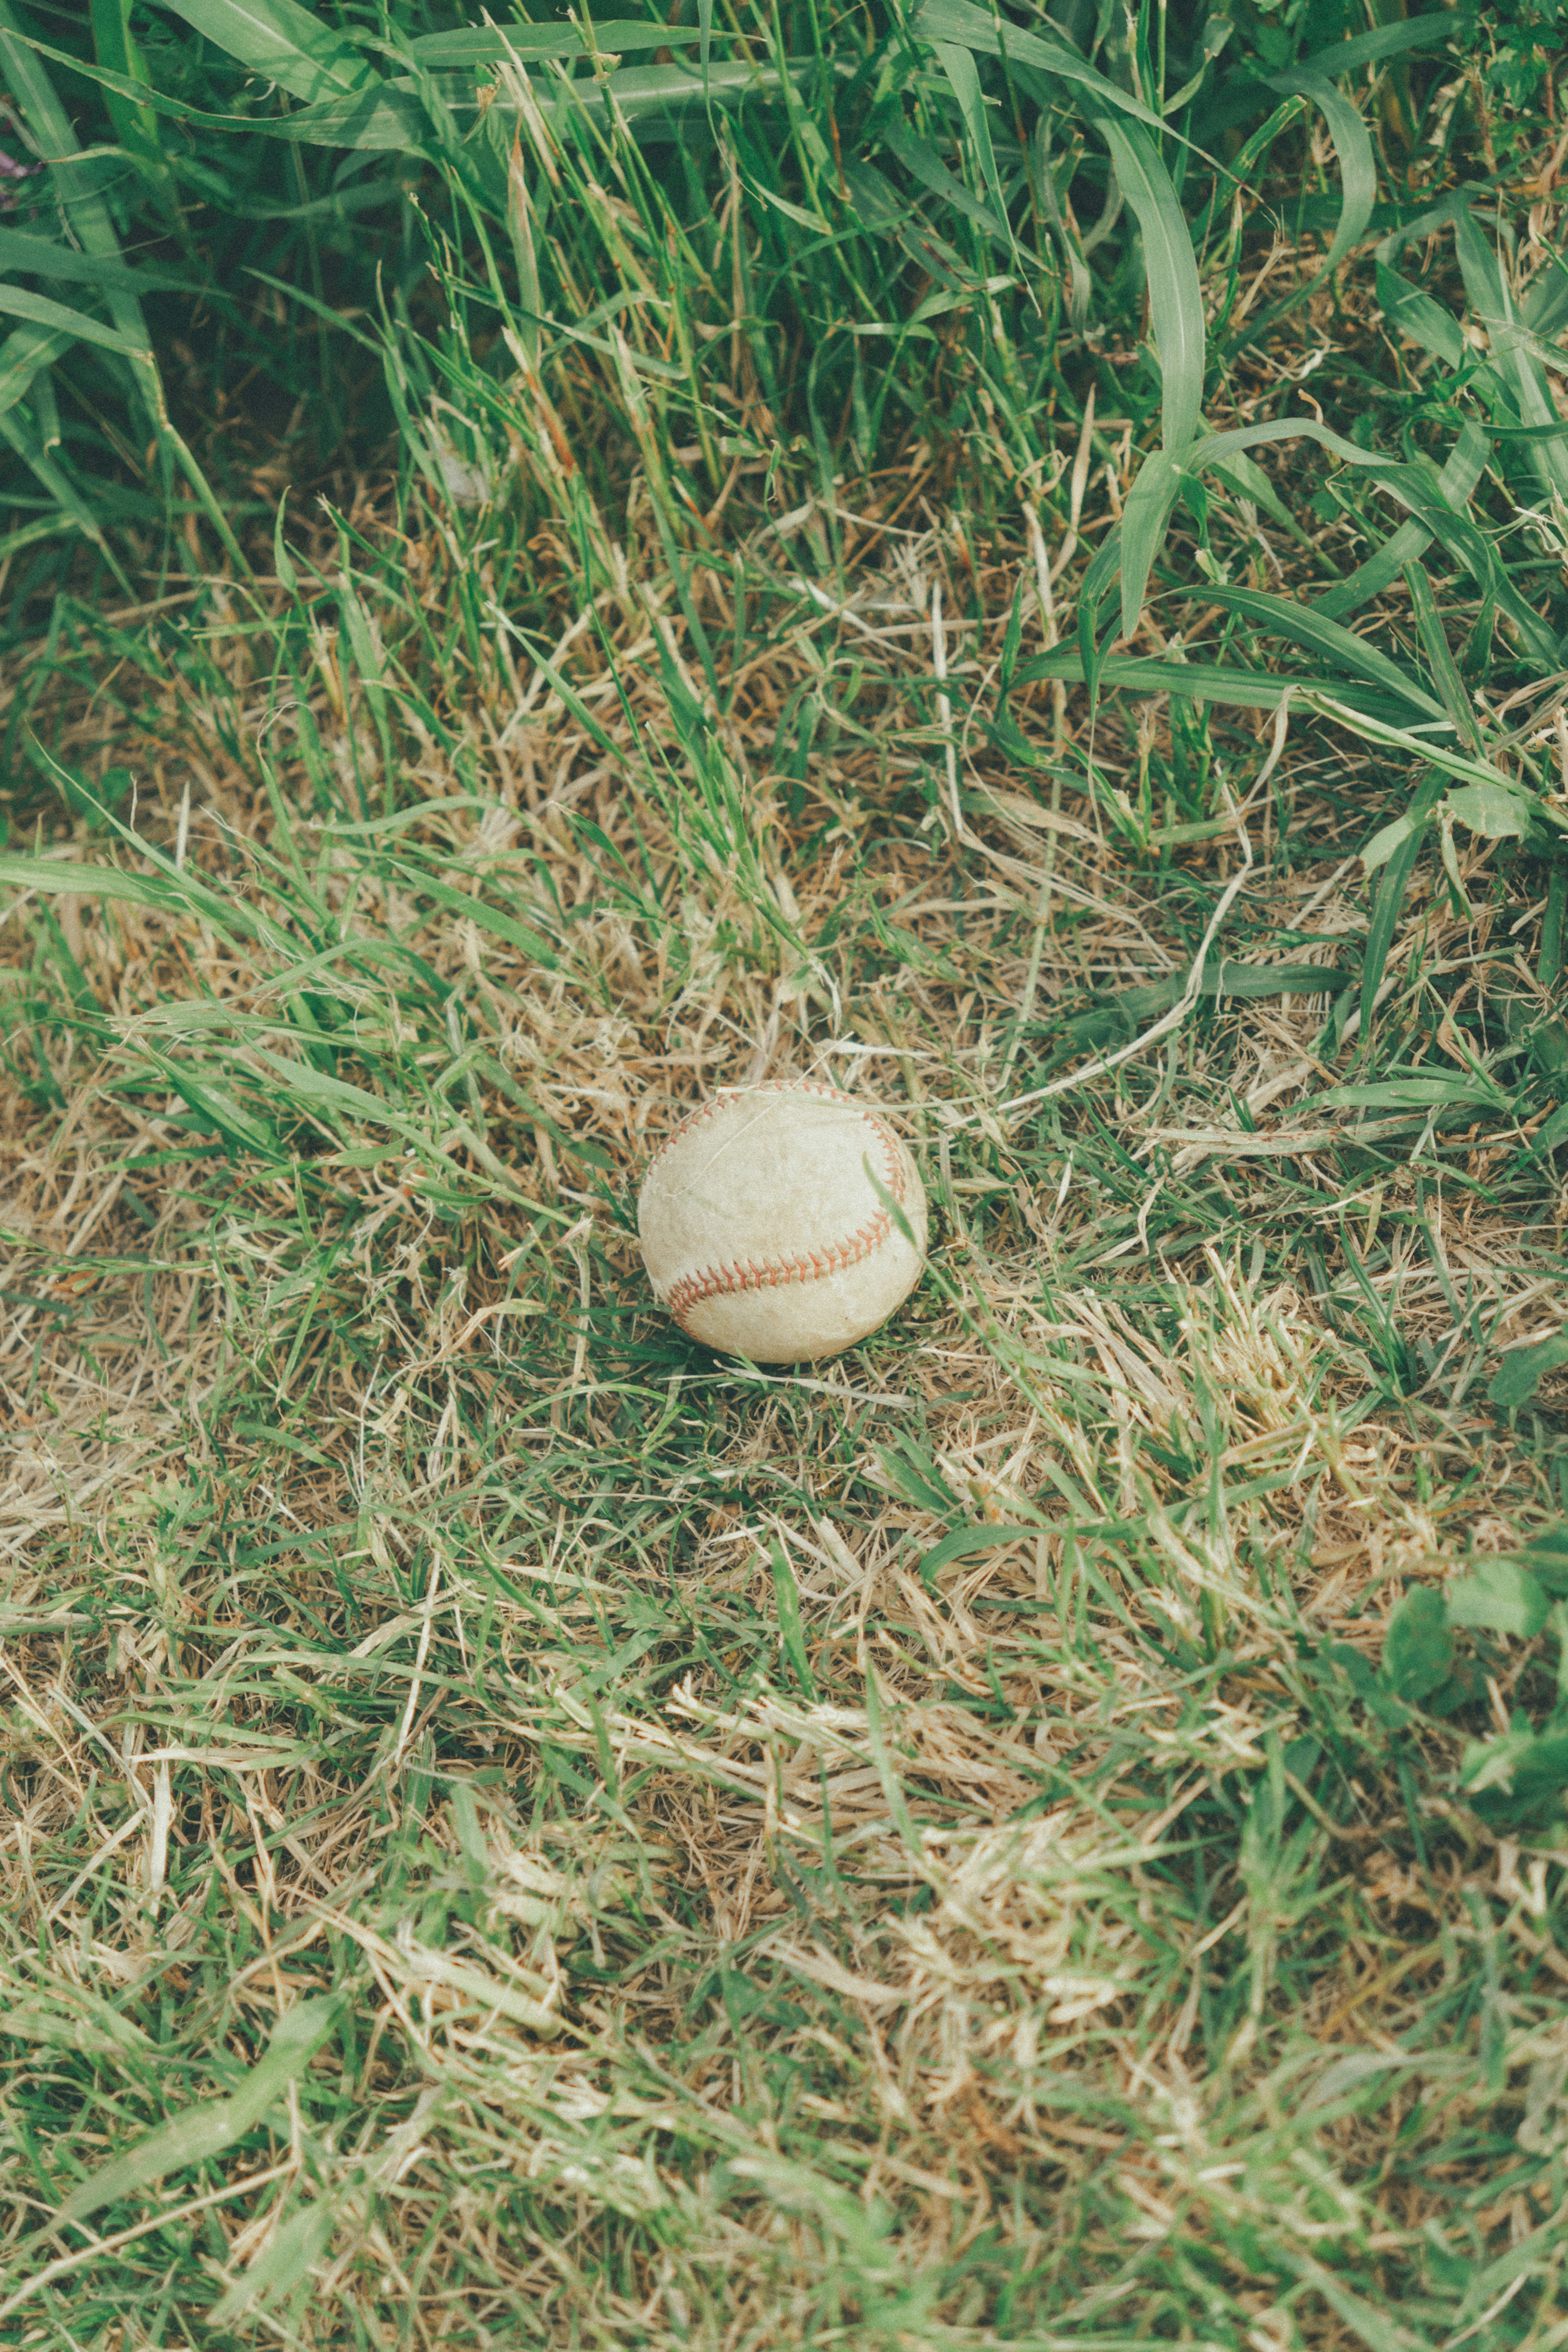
(1046, 1832)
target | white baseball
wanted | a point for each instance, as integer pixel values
(763, 1233)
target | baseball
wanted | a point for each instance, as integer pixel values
(763, 1233)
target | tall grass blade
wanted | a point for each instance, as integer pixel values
(1357, 166)
(1340, 648)
(1464, 465)
(1176, 292)
(17, 302)
(959, 68)
(1439, 658)
(1392, 883)
(1515, 365)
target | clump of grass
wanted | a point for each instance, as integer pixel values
(1047, 1831)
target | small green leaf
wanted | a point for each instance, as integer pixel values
(1547, 1554)
(294, 2245)
(1501, 1598)
(1518, 1774)
(1523, 1369)
(1494, 809)
(1418, 1648)
(965, 1543)
(911, 1472)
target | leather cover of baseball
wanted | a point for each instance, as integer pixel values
(762, 1232)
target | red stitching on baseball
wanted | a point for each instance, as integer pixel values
(807, 1265)
(810, 1266)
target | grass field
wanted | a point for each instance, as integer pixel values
(1016, 565)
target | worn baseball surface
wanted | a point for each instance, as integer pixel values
(763, 1231)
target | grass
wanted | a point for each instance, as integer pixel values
(1046, 1832)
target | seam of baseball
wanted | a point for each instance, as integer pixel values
(806, 1265)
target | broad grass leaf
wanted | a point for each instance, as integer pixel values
(170, 891)
(1419, 1093)
(1347, 2075)
(878, 206)
(1456, 485)
(64, 878)
(1415, 489)
(310, 1086)
(380, 120)
(282, 562)
(46, 257)
(218, 1108)
(1153, 494)
(1514, 366)
(1523, 1369)
(1243, 689)
(284, 43)
(17, 302)
(1372, 729)
(920, 160)
(1418, 1647)
(912, 1471)
(135, 125)
(383, 115)
(1389, 41)
(1373, 2325)
(477, 45)
(886, 1770)
(83, 2023)
(1410, 312)
(64, 494)
(1352, 148)
(1216, 33)
(1176, 291)
(966, 1543)
(1493, 810)
(1545, 307)
(787, 1594)
(21, 354)
(1245, 475)
(1094, 587)
(1339, 647)
(206, 2129)
(665, 98)
(958, 22)
(1499, 1598)
(1121, 1017)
